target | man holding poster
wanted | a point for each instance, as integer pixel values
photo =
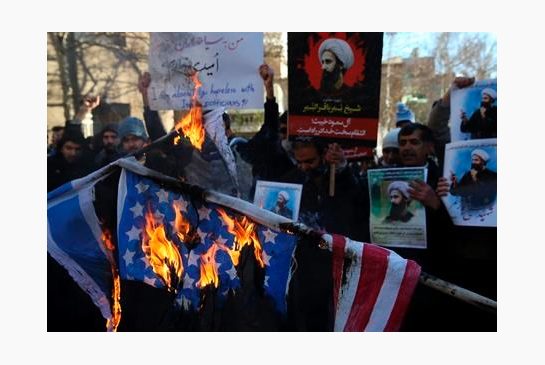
(416, 145)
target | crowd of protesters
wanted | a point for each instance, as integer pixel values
(466, 256)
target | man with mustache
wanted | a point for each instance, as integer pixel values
(336, 57)
(416, 146)
(482, 123)
(346, 213)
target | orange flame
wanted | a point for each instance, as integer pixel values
(181, 224)
(209, 268)
(234, 254)
(198, 84)
(245, 234)
(162, 254)
(113, 323)
(191, 125)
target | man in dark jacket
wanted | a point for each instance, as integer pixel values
(346, 213)
(429, 309)
(66, 165)
(265, 151)
(416, 146)
(110, 143)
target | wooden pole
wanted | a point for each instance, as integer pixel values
(332, 179)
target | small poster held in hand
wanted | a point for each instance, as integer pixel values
(471, 168)
(473, 111)
(281, 198)
(396, 220)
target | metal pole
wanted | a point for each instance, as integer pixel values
(458, 292)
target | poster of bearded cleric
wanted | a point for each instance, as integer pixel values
(334, 88)
(396, 220)
(281, 198)
(471, 168)
(473, 111)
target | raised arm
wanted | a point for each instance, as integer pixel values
(151, 117)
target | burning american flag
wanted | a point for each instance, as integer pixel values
(199, 237)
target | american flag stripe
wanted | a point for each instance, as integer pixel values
(378, 286)
(388, 294)
(373, 271)
(347, 293)
(339, 244)
(410, 279)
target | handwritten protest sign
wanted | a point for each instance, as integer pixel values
(396, 220)
(336, 80)
(472, 167)
(227, 65)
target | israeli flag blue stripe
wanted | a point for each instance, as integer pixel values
(74, 238)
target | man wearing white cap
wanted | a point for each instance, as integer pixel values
(482, 123)
(281, 207)
(336, 56)
(478, 186)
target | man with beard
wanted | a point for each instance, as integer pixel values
(110, 142)
(416, 146)
(310, 303)
(281, 207)
(398, 191)
(56, 135)
(428, 308)
(482, 123)
(133, 135)
(336, 57)
(342, 213)
(66, 164)
(477, 187)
